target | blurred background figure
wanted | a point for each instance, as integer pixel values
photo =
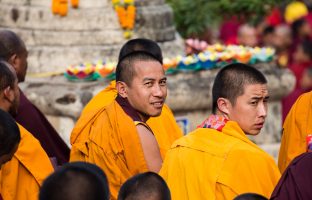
(194, 46)
(247, 35)
(282, 42)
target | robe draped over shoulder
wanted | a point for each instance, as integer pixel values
(297, 125)
(22, 176)
(208, 164)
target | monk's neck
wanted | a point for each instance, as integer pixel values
(130, 111)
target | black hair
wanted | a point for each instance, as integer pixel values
(10, 44)
(296, 26)
(125, 68)
(268, 30)
(9, 133)
(141, 186)
(141, 44)
(76, 181)
(7, 77)
(250, 196)
(231, 80)
(307, 48)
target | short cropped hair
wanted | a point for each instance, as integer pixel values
(75, 181)
(7, 77)
(141, 44)
(10, 44)
(250, 196)
(125, 68)
(148, 185)
(9, 133)
(231, 80)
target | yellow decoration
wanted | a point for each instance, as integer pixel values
(75, 3)
(295, 10)
(126, 15)
(63, 7)
(55, 6)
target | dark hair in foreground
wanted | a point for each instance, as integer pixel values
(7, 77)
(10, 43)
(250, 196)
(141, 44)
(9, 133)
(76, 181)
(145, 186)
(125, 68)
(231, 80)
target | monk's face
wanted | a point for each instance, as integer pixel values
(148, 89)
(250, 109)
(21, 65)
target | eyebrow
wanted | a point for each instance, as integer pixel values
(259, 98)
(152, 79)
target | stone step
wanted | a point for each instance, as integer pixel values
(47, 3)
(41, 18)
(33, 37)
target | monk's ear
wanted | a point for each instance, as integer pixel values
(224, 106)
(121, 89)
(8, 93)
(13, 60)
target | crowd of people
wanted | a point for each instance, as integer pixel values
(127, 145)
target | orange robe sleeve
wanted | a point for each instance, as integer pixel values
(22, 177)
(297, 125)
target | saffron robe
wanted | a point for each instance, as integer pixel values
(164, 124)
(22, 176)
(31, 118)
(297, 125)
(296, 181)
(209, 164)
(114, 145)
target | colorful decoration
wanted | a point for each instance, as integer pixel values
(213, 56)
(126, 11)
(60, 7)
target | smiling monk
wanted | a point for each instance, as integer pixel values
(217, 160)
(119, 139)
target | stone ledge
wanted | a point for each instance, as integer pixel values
(41, 18)
(69, 38)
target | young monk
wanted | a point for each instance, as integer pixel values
(164, 126)
(217, 160)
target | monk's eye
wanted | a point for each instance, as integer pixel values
(163, 83)
(148, 84)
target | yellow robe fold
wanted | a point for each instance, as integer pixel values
(208, 164)
(297, 125)
(114, 145)
(21, 177)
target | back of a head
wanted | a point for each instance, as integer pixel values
(145, 186)
(250, 196)
(231, 81)
(76, 181)
(10, 43)
(141, 44)
(125, 68)
(9, 133)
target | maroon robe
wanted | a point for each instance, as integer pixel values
(296, 181)
(31, 118)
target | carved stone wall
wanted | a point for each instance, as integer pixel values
(88, 33)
